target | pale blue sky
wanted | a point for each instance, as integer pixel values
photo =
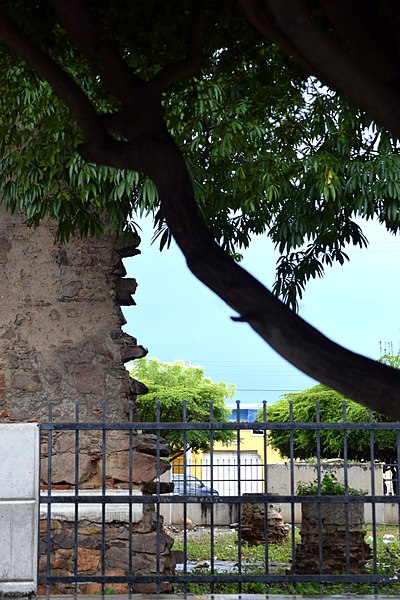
(177, 317)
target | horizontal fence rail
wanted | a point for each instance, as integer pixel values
(239, 524)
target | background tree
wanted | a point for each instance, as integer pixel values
(173, 383)
(115, 66)
(331, 410)
(388, 357)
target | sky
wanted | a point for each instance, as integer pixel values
(178, 318)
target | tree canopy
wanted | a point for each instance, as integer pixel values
(183, 110)
(331, 410)
(172, 384)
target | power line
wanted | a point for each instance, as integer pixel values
(263, 390)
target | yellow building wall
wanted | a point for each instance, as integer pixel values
(249, 442)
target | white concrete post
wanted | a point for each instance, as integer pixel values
(19, 495)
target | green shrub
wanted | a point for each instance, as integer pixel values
(330, 486)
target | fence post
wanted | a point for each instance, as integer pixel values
(19, 495)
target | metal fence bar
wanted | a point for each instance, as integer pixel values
(292, 493)
(239, 540)
(212, 553)
(76, 507)
(49, 480)
(266, 505)
(245, 476)
(103, 492)
(158, 484)
(222, 578)
(319, 480)
(220, 426)
(373, 505)
(184, 423)
(346, 490)
(189, 499)
(130, 517)
(397, 471)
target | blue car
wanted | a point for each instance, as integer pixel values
(194, 486)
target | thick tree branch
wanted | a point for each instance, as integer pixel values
(98, 48)
(327, 59)
(181, 69)
(357, 377)
(368, 382)
(257, 15)
(354, 21)
(391, 10)
(64, 86)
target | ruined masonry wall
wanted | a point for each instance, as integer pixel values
(117, 541)
(61, 341)
(60, 324)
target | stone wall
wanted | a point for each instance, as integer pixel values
(338, 536)
(60, 324)
(61, 341)
(254, 527)
(143, 562)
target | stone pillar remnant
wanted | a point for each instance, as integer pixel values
(325, 525)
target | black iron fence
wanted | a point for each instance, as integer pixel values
(120, 533)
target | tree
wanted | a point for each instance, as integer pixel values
(331, 410)
(172, 384)
(120, 70)
(390, 359)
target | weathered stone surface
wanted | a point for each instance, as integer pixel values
(144, 467)
(144, 442)
(61, 341)
(147, 542)
(131, 352)
(89, 379)
(117, 557)
(63, 468)
(143, 560)
(148, 522)
(59, 306)
(330, 519)
(131, 249)
(63, 538)
(164, 487)
(137, 387)
(148, 443)
(124, 289)
(88, 528)
(5, 247)
(253, 524)
(151, 588)
(28, 382)
(88, 560)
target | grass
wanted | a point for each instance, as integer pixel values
(279, 561)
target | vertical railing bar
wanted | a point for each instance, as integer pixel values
(184, 420)
(158, 516)
(212, 588)
(319, 508)
(103, 493)
(397, 476)
(76, 515)
(266, 530)
(49, 489)
(346, 492)
(239, 540)
(373, 505)
(130, 548)
(292, 492)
